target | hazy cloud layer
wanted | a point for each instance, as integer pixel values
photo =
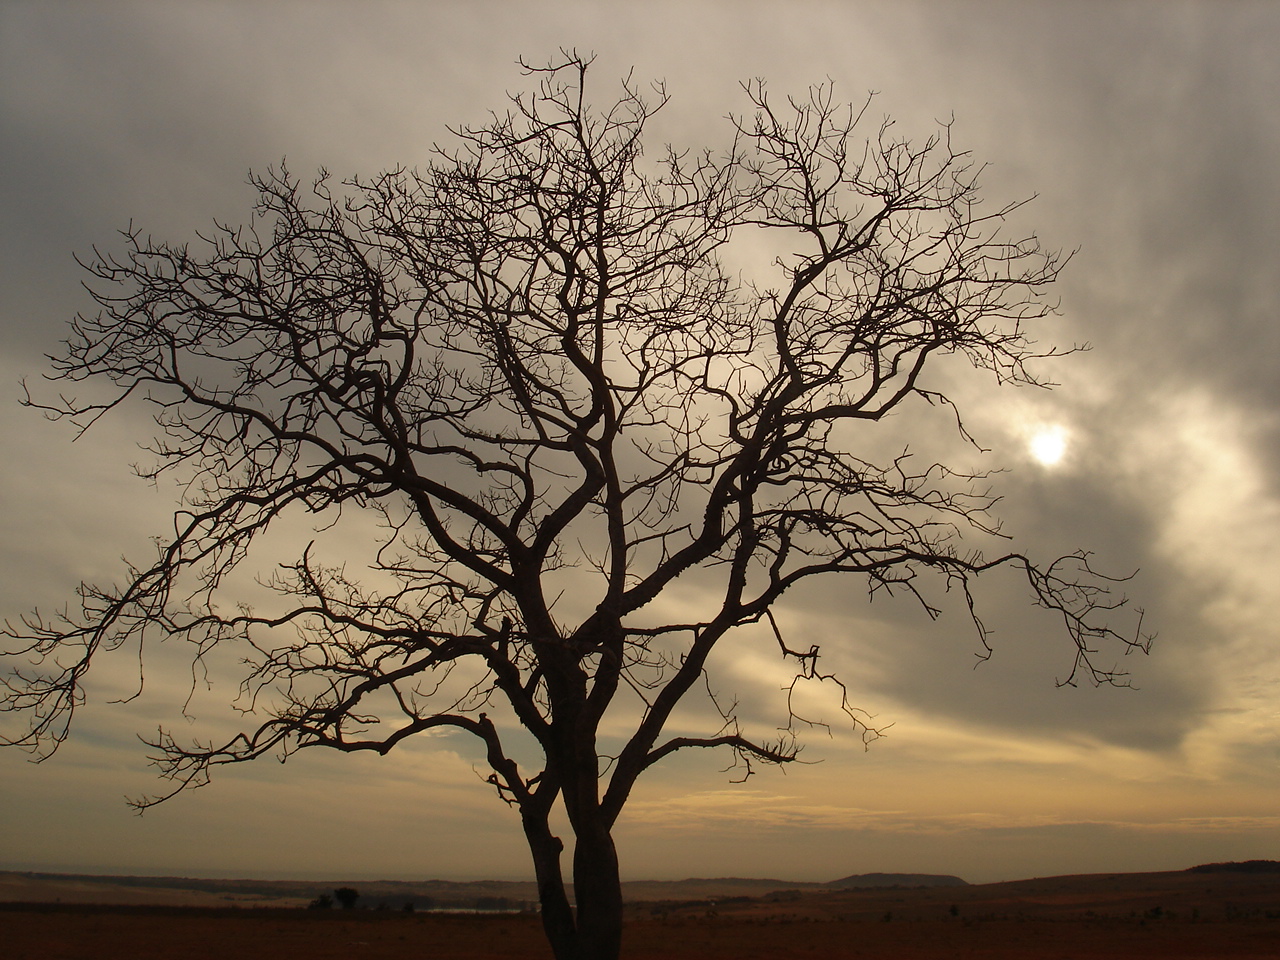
(1151, 134)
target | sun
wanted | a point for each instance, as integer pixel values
(1048, 445)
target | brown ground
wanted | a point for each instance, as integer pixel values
(1173, 916)
(80, 933)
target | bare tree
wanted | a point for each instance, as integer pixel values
(529, 362)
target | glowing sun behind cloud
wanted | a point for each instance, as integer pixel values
(1048, 445)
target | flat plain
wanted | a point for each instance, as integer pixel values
(1174, 916)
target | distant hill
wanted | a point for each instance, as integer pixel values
(1222, 892)
(421, 894)
(190, 891)
(864, 881)
(1180, 896)
(637, 891)
(707, 888)
(1247, 866)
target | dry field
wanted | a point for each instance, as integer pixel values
(130, 933)
(1173, 916)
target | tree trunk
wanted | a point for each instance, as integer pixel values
(598, 892)
(596, 931)
(557, 917)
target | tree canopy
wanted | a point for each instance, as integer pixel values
(529, 360)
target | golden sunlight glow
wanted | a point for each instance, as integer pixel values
(1048, 445)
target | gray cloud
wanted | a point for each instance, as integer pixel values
(1149, 131)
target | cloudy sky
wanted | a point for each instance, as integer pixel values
(1150, 132)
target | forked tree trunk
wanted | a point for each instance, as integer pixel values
(594, 930)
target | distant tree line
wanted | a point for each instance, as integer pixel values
(346, 897)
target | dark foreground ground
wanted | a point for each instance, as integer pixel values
(1171, 916)
(81, 933)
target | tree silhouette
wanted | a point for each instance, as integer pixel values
(346, 896)
(529, 363)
